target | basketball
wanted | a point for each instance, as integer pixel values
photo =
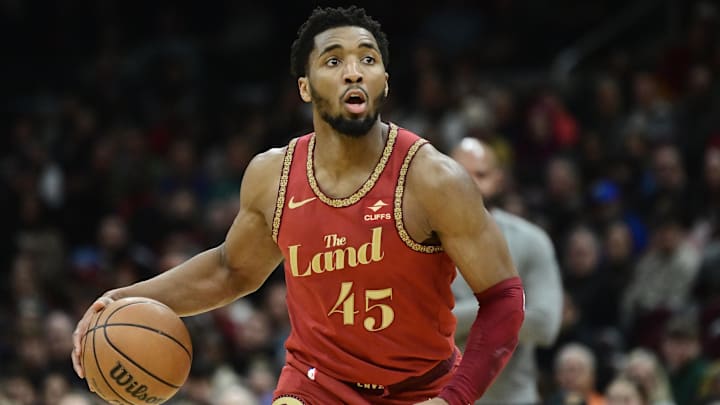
(136, 351)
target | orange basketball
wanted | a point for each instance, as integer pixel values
(136, 351)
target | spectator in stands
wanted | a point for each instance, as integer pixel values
(584, 278)
(618, 263)
(76, 398)
(607, 113)
(681, 351)
(669, 180)
(561, 201)
(607, 204)
(575, 377)
(644, 367)
(236, 395)
(661, 282)
(626, 392)
(710, 389)
(54, 387)
(651, 113)
(58, 327)
(707, 221)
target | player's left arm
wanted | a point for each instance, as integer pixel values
(455, 213)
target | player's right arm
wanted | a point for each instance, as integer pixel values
(535, 259)
(219, 275)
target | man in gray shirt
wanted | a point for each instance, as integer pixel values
(534, 257)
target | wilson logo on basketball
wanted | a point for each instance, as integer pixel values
(124, 379)
(377, 216)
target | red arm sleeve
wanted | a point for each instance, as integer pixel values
(493, 338)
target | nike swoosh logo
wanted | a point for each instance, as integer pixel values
(292, 204)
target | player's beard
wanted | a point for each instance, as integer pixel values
(352, 127)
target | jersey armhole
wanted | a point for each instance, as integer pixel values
(282, 189)
(397, 208)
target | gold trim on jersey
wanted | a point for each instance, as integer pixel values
(287, 161)
(287, 400)
(399, 190)
(365, 188)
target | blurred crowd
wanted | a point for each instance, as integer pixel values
(127, 130)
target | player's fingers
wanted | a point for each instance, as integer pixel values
(76, 364)
(81, 330)
(100, 303)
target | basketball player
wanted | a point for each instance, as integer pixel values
(534, 257)
(370, 221)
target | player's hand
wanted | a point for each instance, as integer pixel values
(433, 401)
(81, 330)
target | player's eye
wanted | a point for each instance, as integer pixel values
(332, 61)
(369, 60)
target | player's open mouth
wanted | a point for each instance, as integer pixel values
(355, 101)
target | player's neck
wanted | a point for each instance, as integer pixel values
(337, 152)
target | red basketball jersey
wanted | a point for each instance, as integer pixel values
(367, 303)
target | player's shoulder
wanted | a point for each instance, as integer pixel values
(267, 165)
(520, 228)
(262, 174)
(268, 159)
(434, 169)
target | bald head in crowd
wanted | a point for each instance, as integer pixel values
(481, 162)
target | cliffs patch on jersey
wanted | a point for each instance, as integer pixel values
(379, 211)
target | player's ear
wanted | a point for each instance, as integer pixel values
(304, 88)
(387, 76)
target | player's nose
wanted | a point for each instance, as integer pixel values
(352, 73)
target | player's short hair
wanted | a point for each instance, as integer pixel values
(323, 19)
